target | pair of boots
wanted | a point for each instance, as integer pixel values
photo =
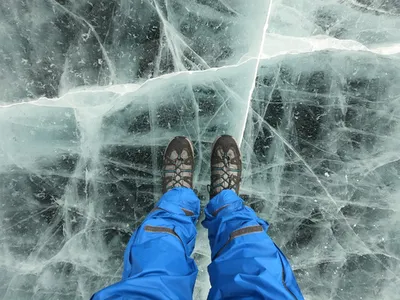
(226, 165)
(245, 262)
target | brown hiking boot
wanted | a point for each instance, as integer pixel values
(226, 165)
(178, 164)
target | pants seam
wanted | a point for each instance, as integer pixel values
(160, 229)
(240, 232)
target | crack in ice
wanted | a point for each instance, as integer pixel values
(253, 85)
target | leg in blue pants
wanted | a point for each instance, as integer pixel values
(157, 262)
(246, 264)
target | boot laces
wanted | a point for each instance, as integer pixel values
(177, 179)
(226, 176)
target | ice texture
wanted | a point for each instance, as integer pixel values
(92, 91)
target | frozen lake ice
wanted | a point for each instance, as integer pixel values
(92, 91)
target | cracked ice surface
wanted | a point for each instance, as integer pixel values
(91, 93)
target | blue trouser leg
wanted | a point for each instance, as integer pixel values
(157, 262)
(246, 264)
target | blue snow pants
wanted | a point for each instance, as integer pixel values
(246, 264)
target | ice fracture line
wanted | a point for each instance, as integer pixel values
(260, 52)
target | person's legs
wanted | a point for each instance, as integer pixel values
(245, 262)
(157, 262)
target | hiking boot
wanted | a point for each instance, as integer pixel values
(226, 165)
(178, 164)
